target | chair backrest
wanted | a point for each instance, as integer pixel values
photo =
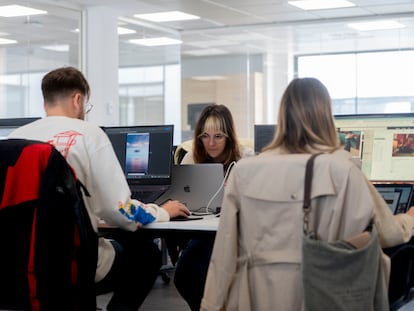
(49, 248)
(401, 285)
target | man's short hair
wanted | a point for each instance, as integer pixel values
(62, 82)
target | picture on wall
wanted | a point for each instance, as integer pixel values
(351, 141)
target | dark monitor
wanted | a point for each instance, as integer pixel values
(263, 135)
(144, 152)
(194, 112)
(8, 125)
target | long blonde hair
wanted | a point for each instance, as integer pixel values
(305, 123)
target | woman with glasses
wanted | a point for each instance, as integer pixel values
(215, 141)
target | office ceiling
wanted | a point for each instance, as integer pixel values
(233, 26)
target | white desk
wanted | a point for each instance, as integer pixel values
(207, 224)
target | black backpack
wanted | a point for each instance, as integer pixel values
(48, 245)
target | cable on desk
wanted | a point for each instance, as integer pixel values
(221, 187)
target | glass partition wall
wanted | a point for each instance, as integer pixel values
(365, 71)
(149, 76)
(245, 67)
(31, 44)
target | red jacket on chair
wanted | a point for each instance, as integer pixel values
(49, 248)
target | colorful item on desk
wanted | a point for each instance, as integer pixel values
(136, 213)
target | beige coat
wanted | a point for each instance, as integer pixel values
(256, 259)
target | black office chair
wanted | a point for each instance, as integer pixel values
(49, 248)
(401, 286)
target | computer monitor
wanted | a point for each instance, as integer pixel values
(8, 125)
(144, 152)
(385, 140)
(263, 135)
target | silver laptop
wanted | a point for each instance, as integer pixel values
(198, 186)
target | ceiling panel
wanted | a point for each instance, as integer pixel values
(231, 26)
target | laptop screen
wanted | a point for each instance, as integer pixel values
(144, 152)
(405, 190)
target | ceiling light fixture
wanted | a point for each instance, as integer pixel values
(170, 16)
(321, 4)
(155, 41)
(18, 10)
(376, 25)
(205, 52)
(57, 47)
(7, 41)
(125, 31)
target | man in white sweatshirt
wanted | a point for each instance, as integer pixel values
(127, 266)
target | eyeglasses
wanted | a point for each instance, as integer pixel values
(217, 138)
(88, 107)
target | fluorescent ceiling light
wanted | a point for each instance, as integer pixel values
(321, 4)
(171, 16)
(211, 43)
(376, 25)
(18, 10)
(155, 41)
(57, 47)
(7, 41)
(205, 52)
(125, 31)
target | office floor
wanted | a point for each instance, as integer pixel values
(163, 297)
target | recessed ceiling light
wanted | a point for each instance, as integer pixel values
(155, 41)
(57, 47)
(376, 25)
(205, 52)
(321, 4)
(7, 41)
(125, 31)
(18, 10)
(170, 16)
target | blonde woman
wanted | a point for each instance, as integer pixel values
(256, 260)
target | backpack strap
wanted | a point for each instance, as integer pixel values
(307, 192)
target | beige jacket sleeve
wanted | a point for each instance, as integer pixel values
(225, 253)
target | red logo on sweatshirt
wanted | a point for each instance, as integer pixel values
(64, 141)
